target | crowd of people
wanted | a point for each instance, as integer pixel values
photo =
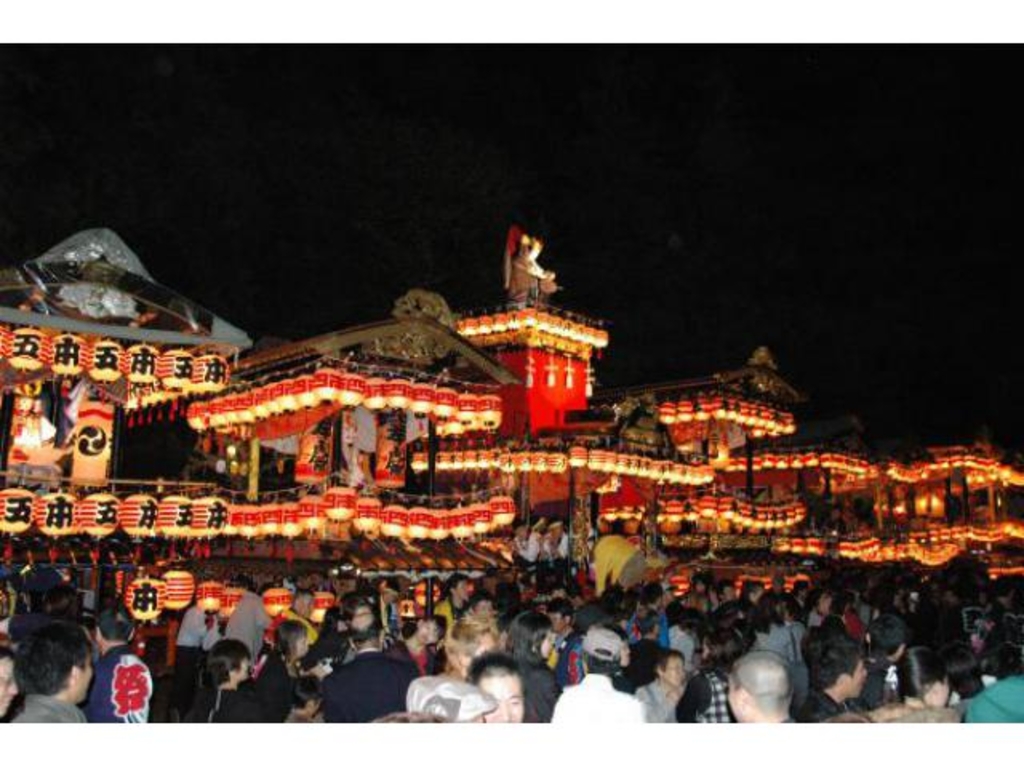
(878, 645)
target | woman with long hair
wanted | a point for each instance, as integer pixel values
(275, 680)
(232, 698)
(706, 699)
(531, 639)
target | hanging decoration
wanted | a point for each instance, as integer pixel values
(530, 327)
(210, 596)
(145, 598)
(181, 586)
(757, 419)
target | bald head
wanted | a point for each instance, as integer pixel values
(760, 690)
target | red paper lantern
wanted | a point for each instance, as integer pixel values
(421, 399)
(352, 390)
(70, 354)
(460, 523)
(54, 514)
(577, 457)
(271, 520)
(503, 510)
(396, 393)
(375, 399)
(327, 385)
(139, 363)
(312, 511)
(420, 522)
(483, 519)
(174, 516)
(439, 529)
(368, 516)
(209, 373)
(97, 514)
(106, 361)
(145, 599)
(276, 601)
(16, 510)
(394, 520)
(31, 349)
(490, 411)
(340, 504)
(468, 410)
(321, 602)
(290, 523)
(138, 515)
(210, 596)
(181, 585)
(174, 369)
(209, 516)
(446, 403)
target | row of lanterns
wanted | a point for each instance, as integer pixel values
(531, 321)
(101, 514)
(578, 457)
(979, 469)
(798, 546)
(837, 462)
(105, 360)
(332, 387)
(760, 420)
(739, 512)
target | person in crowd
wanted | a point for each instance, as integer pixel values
(249, 621)
(706, 697)
(923, 679)
(232, 698)
(8, 684)
(1001, 702)
(527, 547)
(661, 696)
(886, 639)
(750, 594)
(760, 690)
(594, 701)
(457, 602)
(60, 603)
(620, 680)
(307, 699)
(724, 596)
(844, 605)
(388, 592)
(773, 633)
(468, 639)
(838, 674)
(568, 651)
(122, 685)
(531, 639)
(481, 606)
(197, 633)
(280, 668)
(820, 602)
(419, 644)
(653, 600)
(53, 668)
(964, 673)
(684, 633)
(699, 598)
(497, 675)
(443, 699)
(1000, 662)
(372, 684)
(300, 611)
(332, 643)
(643, 654)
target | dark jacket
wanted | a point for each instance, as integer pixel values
(541, 691)
(332, 646)
(819, 707)
(643, 658)
(371, 686)
(274, 688)
(121, 688)
(238, 706)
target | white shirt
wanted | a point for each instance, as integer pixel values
(529, 549)
(595, 701)
(248, 623)
(193, 632)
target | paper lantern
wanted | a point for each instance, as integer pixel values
(209, 516)
(468, 410)
(420, 521)
(490, 411)
(276, 601)
(483, 519)
(420, 462)
(181, 585)
(577, 457)
(6, 338)
(503, 509)
(174, 369)
(460, 523)
(97, 514)
(31, 349)
(252, 522)
(351, 390)
(139, 363)
(54, 514)
(394, 520)
(271, 520)
(145, 599)
(375, 399)
(305, 392)
(210, 596)
(340, 504)
(138, 515)
(16, 506)
(421, 399)
(326, 385)
(667, 413)
(396, 393)
(174, 516)
(230, 600)
(209, 373)
(70, 354)
(367, 518)
(321, 602)
(446, 403)
(312, 513)
(439, 525)
(106, 360)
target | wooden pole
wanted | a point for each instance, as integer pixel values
(6, 417)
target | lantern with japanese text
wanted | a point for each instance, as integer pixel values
(291, 526)
(209, 596)
(16, 510)
(460, 522)
(174, 368)
(54, 514)
(209, 373)
(326, 385)
(271, 519)
(439, 529)
(321, 602)
(446, 403)
(181, 585)
(419, 523)
(577, 457)
(230, 600)
(209, 517)
(250, 520)
(468, 410)
(312, 513)
(305, 391)
(139, 363)
(394, 520)
(145, 599)
(421, 399)
(138, 515)
(375, 399)
(351, 390)
(106, 360)
(97, 514)
(340, 503)
(174, 516)
(70, 353)
(483, 519)
(276, 601)
(490, 411)
(503, 509)
(396, 393)
(31, 349)
(367, 518)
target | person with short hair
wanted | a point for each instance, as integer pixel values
(300, 611)
(280, 668)
(249, 620)
(455, 605)
(760, 690)
(568, 650)
(307, 699)
(923, 679)
(886, 639)
(53, 668)
(661, 696)
(8, 684)
(497, 674)
(419, 643)
(481, 606)
(595, 700)
(122, 684)
(706, 697)
(838, 674)
(232, 698)
(964, 675)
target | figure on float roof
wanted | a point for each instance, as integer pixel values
(525, 280)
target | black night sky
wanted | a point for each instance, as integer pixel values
(857, 209)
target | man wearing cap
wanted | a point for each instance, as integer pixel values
(760, 690)
(594, 700)
(122, 685)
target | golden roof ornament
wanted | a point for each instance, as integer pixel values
(763, 358)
